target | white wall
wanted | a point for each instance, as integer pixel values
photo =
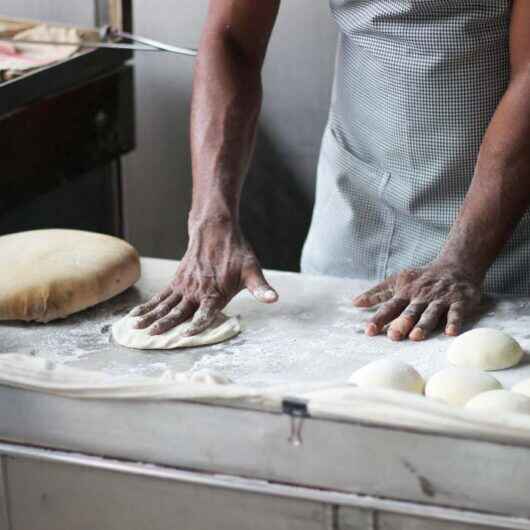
(80, 12)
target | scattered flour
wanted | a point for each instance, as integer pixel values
(313, 334)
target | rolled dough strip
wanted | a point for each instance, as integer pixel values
(523, 387)
(50, 274)
(202, 377)
(125, 334)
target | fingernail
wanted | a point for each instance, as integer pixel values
(394, 335)
(271, 296)
(417, 334)
(371, 330)
(267, 295)
(451, 330)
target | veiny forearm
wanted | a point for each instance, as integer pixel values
(225, 108)
(499, 194)
(227, 94)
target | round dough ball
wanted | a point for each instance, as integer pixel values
(456, 386)
(496, 401)
(485, 349)
(50, 274)
(389, 373)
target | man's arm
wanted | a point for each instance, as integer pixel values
(415, 301)
(499, 194)
(226, 102)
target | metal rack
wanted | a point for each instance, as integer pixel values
(91, 97)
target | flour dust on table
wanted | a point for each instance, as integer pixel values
(126, 334)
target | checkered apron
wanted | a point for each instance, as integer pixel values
(416, 85)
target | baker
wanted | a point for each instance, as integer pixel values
(424, 172)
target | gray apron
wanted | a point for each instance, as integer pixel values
(416, 85)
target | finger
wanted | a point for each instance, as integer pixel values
(428, 322)
(376, 295)
(205, 315)
(385, 314)
(402, 326)
(256, 283)
(159, 311)
(151, 304)
(177, 316)
(455, 318)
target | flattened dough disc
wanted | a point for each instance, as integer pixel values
(50, 274)
(124, 333)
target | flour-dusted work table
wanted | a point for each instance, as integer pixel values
(113, 464)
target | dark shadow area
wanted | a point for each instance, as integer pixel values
(275, 213)
(89, 202)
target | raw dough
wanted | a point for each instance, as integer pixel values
(456, 386)
(496, 401)
(389, 373)
(523, 387)
(485, 349)
(50, 274)
(124, 333)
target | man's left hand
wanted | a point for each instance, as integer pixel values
(415, 301)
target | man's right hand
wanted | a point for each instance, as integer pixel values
(226, 102)
(218, 264)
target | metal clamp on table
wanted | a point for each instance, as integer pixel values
(297, 409)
